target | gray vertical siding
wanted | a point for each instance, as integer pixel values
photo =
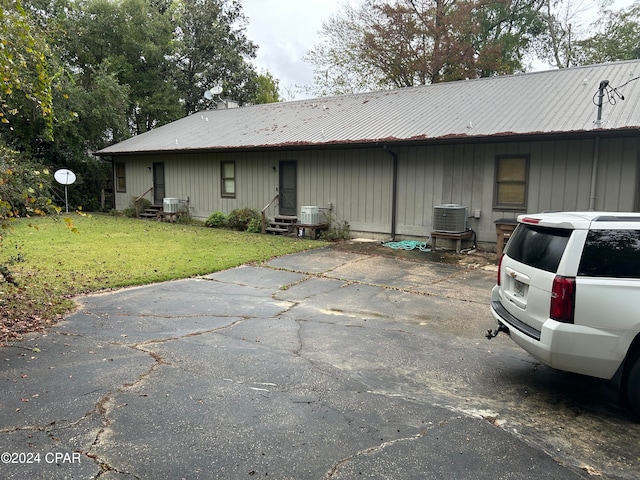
(358, 181)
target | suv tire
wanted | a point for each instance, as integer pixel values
(632, 387)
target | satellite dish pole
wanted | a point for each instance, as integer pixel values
(601, 88)
(65, 177)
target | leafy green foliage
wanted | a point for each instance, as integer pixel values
(217, 220)
(267, 91)
(616, 38)
(80, 74)
(133, 40)
(240, 218)
(254, 225)
(25, 187)
(26, 87)
(211, 48)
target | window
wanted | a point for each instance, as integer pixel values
(511, 183)
(538, 247)
(228, 179)
(611, 253)
(121, 177)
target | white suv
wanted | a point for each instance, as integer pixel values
(568, 292)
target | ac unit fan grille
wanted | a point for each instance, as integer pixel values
(450, 219)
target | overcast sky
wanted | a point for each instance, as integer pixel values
(285, 30)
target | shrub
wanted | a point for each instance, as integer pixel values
(255, 225)
(336, 231)
(240, 218)
(130, 211)
(25, 186)
(216, 220)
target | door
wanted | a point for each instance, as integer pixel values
(288, 188)
(158, 183)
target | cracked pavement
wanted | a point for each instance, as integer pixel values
(322, 364)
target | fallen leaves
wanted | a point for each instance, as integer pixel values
(590, 470)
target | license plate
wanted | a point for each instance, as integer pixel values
(518, 288)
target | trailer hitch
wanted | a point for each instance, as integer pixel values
(494, 333)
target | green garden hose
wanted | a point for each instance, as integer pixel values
(408, 245)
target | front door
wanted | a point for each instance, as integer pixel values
(158, 183)
(288, 190)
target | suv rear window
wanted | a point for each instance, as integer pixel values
(538, 247)
(611, 253)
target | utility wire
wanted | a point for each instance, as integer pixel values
(612, 92)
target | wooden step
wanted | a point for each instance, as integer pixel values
(151, 212)
(282, 225)
(277, 230)
(288, 219)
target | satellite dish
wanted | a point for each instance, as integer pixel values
(212, 92)
(65, 177)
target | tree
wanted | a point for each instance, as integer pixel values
(505, 31)
(399, 43)
(26, 78)
(267, 89)
(212, 49)
(338, 69)
(563, 29)
(25, 186)
(617, 38)
(26, 94)
(133, 40)
(79, 74)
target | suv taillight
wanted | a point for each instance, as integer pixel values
(563, 294)
(500, 268)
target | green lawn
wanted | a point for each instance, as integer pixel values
(51, 264)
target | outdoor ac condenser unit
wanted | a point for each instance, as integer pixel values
(310, 215)
(450, 218)
(170, 205)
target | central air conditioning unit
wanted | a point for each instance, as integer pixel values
(170, 205)
(310, 215)
(450, 218)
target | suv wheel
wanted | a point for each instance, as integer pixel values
(632, 387)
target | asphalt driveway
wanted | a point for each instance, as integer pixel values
(322, 364)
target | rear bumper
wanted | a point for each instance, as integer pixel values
(568, 347)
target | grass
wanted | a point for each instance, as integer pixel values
(51, 264)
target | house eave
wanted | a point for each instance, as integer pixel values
(420, 140)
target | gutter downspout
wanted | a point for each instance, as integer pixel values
(394, 192)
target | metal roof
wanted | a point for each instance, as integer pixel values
(554, 101)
